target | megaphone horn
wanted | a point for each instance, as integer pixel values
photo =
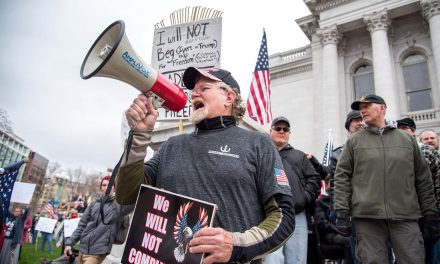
(112, 56)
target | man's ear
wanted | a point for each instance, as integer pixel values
(230, 97)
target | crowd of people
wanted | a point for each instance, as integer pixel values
(380, 204)
(95, 236)
(381, 207)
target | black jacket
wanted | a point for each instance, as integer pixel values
(304, 181)
(325, 218)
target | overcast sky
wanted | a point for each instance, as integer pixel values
(77, 123)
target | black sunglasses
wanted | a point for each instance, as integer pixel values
(278, 129)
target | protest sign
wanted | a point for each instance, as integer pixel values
(45, 224)
(22, 192)
(162, 226)
(178, 47)
(70, 226)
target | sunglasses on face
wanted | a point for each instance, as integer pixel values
(278, 129)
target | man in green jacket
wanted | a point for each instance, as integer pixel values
(382, 180)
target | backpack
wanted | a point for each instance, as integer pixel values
(122, 230)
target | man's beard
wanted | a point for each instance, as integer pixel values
(198, 115)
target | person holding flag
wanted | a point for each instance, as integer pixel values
(8, 176)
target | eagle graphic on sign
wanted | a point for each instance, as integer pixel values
(183, 233)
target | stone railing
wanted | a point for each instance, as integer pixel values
(425, 115)
(289, 56)
(295, 54)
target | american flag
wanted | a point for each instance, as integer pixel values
(49, 207)
(258, 102)
(7, 181)
(281, 177)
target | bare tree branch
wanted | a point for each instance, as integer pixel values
(5, 122)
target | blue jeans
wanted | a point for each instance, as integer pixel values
(436, 253)
(295, 249)
(353, 242)
(47, 237)
(34, 236)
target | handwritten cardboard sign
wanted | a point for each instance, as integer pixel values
(45, 224)
(70, 225)
(22, 192)
(162, 226)
(178, 47)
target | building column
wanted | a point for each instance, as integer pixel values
(431, 12)
(331, 117)
(378, 24)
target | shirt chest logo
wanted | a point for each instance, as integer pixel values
(224, 151)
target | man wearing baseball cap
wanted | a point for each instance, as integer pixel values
(238, 170)
(408, 125)
(384, 183)
(353, 124)
(305, 185)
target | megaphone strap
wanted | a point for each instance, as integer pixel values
(114, 173)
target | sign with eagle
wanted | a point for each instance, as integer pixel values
(162, 226)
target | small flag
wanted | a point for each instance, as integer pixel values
(7, 181)
(49, 207)
(281, 177)
(326, 158)
(328, 149)
(59, 241)
(258, 102)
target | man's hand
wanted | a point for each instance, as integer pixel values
(343, 223)
(67, 251)
(431, 230)
(217, 243)
(141, 114)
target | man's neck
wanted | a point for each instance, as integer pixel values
(216, 123)
(280, 147)
(378, 124)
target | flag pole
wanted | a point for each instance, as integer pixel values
(180, 126)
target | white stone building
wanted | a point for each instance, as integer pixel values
(387, 47)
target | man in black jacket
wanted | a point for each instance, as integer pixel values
(305, 186)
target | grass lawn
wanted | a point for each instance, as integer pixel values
(32, 255)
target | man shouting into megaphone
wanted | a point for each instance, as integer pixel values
(237, 169)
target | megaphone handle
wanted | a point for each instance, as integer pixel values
(157, 101)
